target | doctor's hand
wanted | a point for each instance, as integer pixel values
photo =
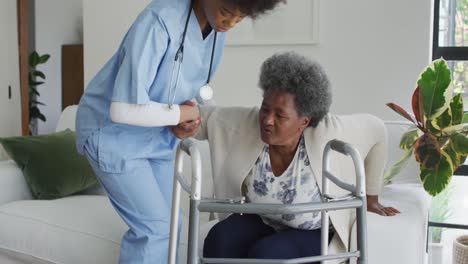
(374, 206)
(188, 112)
(190, 121)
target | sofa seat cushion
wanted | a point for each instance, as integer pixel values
(76, 229)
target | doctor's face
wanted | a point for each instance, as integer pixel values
(280, 123)
(222, 15)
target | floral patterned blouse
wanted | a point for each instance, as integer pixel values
(296, 185)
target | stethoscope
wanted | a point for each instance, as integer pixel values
(206, 92)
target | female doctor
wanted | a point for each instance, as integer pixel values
(166, 58)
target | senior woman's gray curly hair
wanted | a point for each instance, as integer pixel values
(295, 74)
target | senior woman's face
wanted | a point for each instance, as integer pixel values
(280, 124)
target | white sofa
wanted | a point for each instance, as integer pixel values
(85, 229)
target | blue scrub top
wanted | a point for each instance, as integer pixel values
(140, 72)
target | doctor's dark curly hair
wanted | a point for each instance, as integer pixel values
(305, 79)
(255, 8)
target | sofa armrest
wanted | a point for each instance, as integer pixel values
(404, 233)
(13, 186)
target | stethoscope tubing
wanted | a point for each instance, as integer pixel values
(178, 58)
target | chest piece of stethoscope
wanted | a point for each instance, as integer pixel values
(206, 92)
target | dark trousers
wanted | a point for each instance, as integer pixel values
(246, 236)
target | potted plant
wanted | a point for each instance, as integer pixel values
(35, 78)
(440, 212)
(438, 140)
(460, 250)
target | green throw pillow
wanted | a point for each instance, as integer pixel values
(50, 163)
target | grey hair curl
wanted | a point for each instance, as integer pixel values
(305, 79)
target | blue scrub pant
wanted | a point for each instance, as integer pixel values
(143, 198)
(247, 236)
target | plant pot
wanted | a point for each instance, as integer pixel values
(460, 250)
(436, 253)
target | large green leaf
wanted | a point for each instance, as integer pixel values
(434, 83)
(455, 159)
(451, 130)
(397, 167)
(408, 138)
(465, 118)
(444, 120)
(431, 128)
(462, 159)
(435, 180)
(456, 106)
(460, 144)
(427, 151)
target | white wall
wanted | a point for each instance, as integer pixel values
(58, 23)
(10, 108)
(373, 51)
(103, 30)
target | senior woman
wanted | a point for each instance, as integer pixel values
(274, 154)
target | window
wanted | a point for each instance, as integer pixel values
(451, 38)
(449, 209)
(450, 41)
(451, 30)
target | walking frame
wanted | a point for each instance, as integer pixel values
(355, 199)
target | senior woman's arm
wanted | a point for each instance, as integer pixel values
(374, 165)
(205, 114)
(374, 161)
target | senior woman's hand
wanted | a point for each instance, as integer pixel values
(186, 129)
(373, 205)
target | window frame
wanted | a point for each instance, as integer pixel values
(451, 54)
(448, 53)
